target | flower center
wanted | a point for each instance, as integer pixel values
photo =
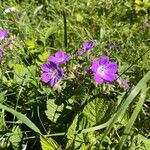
(53, 73)
(60, 59)
(101, 70)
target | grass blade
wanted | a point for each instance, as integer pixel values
(125, 105)
(21, 117)
(133, 117)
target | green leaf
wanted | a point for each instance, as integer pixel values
(16, 137)
(21, 117)
(2, 96)
(47, 32)
(19, 72)
(42, 58)
(48, 143)
(2, 121)
(76, 140)
(80, 134)
(98, 110)
(30, 44)
(53, 111)
(22, 73)
(145, 141)
(79, 17)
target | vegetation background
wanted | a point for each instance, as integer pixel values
(76, 114)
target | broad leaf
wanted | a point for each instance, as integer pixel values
(48, 144)
(94, 113)
(145, 141)
(53, 111)
(16, 137)
(20, 72)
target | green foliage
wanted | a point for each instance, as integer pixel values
(16, 137)
(133, 116)
(20, 73)
(126, 103)
(76, 109)
(48, 143)
(142, 5)
(21, 117)
(145, 141)
(94, 113)
(53, 111)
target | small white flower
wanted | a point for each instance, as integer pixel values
(10, 10)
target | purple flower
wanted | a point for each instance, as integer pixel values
(90, 72)
(9, 43)
(51, 73)
(122, 82)
(86, 46)
(3, 34)
(80, 52)
(104, 70)
(59, 58)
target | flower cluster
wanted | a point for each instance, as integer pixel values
(103, 70)
(51, 70)
(3, 43)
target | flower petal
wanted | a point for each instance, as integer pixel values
(110, 77)
(53, 81)
(60, 73)
(90, 72)
(80, 52)
(123, 83)
(9, 43)
(45, 77)
(95, 66)
(1, 48)
(53, 65)
(112, 67)
(104, 60)
(46, 67)
(3, 34)
(53, 59)
(88, 45)
(98, 79)
(66, 58)
(59, 55)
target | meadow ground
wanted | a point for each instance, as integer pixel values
(58, 90)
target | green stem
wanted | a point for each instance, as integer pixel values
(65, 30)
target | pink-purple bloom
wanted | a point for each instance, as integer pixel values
(8, 43)
(3, 34)
(86, 46)
(90, 72)
(59, 58)
(122, 82)
(51, 73)
(104, 70)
